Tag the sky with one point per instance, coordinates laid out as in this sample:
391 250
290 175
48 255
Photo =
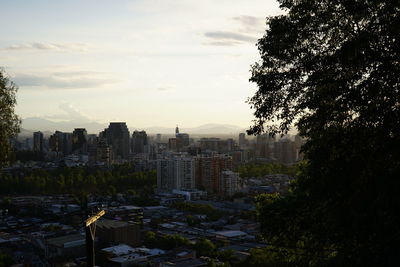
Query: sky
145 62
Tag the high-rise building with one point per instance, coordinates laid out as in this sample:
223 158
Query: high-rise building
139 142
104 152
67 143
265 139
229 183
208 171
175 173
79 141
61 142
285 151
242 140
210 144
117 136
56 142
172 144
38 141
182 140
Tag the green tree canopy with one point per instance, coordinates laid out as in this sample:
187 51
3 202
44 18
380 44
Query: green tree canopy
331 68
9 121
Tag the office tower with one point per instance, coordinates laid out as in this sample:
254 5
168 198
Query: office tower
242 140
182 140
175 173
91 139
139 142
229 145
104 153
38 141
61 142
210 144
265 139
172 144
238 157
117 136
79 141
56 142
285 151
229 183
67 143
208 171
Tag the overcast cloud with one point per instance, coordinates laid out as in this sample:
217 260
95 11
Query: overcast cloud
79 47
63 80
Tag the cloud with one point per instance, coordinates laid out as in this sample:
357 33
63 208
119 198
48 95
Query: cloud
224 43
80 47
229 38
65 80
251 24
165 88
249 30
71 113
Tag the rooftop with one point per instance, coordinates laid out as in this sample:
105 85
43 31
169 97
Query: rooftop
63 241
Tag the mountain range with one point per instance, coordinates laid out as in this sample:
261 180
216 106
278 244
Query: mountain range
29 125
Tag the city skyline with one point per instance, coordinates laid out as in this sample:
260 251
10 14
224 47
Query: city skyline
149 63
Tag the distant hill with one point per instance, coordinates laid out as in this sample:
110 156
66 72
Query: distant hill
40 124
203 129
29 125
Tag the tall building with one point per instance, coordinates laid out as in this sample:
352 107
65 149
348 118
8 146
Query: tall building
61 142
229 183
56 142
182 140
139 142
242 140
79 140
285 151
99 152
265 139
38 141
175 173
210 144
208 171
67 143
172 144
117 136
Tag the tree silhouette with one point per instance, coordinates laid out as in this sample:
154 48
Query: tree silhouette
331 68
9 121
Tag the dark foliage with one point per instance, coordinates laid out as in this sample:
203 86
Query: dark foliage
80 181
332 68
9 121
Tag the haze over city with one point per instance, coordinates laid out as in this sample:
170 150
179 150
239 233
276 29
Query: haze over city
192 133
149 63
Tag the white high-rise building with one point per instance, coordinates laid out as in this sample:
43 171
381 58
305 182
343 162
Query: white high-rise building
175 173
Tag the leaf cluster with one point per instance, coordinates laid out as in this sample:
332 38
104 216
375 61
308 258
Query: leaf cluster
9 121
